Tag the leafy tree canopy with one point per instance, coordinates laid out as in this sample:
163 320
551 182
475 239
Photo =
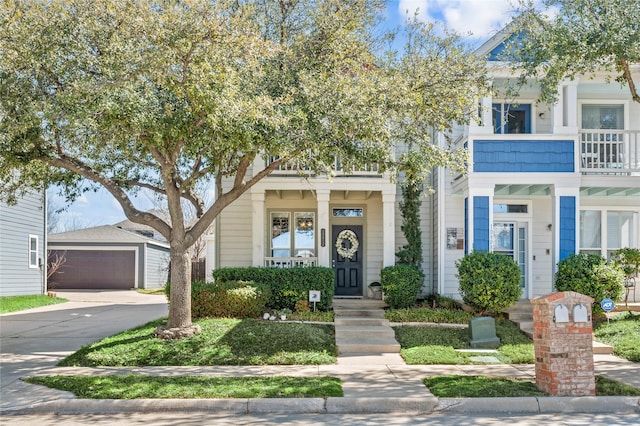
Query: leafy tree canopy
578 37
171 95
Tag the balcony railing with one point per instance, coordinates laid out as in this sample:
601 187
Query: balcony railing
609 151
290 262
295 168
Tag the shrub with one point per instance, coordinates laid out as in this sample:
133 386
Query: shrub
489 281
400 285
233 299
590 274
288 285
629 260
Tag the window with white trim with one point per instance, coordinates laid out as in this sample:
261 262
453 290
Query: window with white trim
604 232
293 239
33 251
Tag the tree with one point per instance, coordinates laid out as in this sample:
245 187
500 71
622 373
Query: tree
168 96
583 37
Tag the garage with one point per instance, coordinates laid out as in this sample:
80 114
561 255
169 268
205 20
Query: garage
95 269
106 257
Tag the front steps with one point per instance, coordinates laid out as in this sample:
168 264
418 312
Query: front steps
521 313
361 328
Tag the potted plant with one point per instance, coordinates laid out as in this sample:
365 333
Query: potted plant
375 290
283 313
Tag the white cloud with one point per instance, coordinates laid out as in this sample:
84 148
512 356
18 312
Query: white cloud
482 18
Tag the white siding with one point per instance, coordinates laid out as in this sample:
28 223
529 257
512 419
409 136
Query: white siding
16 224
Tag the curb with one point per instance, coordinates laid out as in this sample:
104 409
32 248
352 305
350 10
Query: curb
342 405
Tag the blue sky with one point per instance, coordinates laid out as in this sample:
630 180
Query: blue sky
481 18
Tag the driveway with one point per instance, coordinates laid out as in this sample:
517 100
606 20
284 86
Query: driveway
39 338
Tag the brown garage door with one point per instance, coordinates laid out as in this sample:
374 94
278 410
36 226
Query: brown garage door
94 269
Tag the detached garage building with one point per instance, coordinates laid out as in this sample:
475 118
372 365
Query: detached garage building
107 257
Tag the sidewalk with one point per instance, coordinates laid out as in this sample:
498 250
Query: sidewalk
33 342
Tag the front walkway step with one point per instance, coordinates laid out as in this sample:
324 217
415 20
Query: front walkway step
361 328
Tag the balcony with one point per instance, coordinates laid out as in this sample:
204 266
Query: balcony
595 152
609 152
296 169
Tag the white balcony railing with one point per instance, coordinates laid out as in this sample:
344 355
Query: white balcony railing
295 168
609 151
289 262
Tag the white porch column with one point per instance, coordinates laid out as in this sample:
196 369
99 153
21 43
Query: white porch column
258 227
565 111
388 228
210 253
323 230
485 126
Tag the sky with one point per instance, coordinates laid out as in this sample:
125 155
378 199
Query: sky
481 18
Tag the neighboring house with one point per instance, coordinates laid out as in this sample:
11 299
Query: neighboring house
545 181
107 257
22 246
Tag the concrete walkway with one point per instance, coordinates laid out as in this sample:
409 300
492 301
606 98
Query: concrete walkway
372 383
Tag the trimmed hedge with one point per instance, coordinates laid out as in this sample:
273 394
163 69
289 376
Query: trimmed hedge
592 275
288 285
489 281
400 284
233 299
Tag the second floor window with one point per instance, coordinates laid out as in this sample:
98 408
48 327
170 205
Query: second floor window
602 116
510 118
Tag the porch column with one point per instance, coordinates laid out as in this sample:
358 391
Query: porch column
258 227
484 125
478 219
565 226
210 254
565 111
324 252
388 228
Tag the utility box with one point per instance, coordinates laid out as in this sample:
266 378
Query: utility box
563 344
482 333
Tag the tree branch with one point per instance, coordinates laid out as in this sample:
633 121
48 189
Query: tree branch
626 72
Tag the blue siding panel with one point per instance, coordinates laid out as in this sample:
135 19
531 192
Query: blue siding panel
567 226
481 223
466 226
510 156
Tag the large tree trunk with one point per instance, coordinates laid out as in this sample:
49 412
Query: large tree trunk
179 324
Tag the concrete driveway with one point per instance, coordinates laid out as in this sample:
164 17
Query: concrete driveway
39 338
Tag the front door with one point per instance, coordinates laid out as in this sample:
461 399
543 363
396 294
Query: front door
510 238
347 259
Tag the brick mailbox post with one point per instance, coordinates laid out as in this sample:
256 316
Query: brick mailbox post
563 344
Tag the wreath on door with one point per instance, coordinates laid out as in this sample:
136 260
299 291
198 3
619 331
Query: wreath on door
347 235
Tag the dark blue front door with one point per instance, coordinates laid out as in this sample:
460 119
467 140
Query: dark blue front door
347 267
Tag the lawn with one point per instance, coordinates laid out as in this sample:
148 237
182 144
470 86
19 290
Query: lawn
20 303
623 333
135 386
437 344
221 342
456 386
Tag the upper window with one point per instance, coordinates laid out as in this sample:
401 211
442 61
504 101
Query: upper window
33 251
602 116
509 118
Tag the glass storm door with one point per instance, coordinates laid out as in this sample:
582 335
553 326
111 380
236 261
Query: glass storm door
510 238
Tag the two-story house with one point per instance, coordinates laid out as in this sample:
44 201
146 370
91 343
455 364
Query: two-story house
23 245
545 181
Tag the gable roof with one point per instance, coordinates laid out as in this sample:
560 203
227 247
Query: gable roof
103 234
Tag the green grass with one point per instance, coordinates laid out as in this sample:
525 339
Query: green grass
135 386
436 345
221 342
20 303
623 333
437 315
456 386
318 316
